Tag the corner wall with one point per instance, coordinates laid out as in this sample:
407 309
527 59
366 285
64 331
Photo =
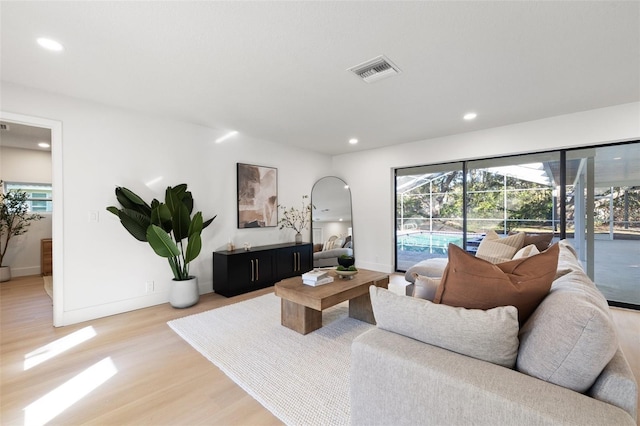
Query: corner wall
370 173
105 269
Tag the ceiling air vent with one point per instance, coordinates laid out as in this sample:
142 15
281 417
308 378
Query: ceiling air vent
375 69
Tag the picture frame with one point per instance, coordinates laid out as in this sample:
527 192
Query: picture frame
257 190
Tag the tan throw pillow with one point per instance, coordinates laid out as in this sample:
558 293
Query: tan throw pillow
330 243
526 251
474 283
494 249
425 287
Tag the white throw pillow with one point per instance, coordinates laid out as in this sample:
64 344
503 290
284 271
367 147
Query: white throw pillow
527 251
425 287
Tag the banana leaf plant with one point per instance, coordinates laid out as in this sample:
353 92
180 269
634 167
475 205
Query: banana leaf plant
164 226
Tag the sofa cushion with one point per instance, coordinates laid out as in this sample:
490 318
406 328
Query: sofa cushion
474 283
570 337
494 249
490 335
425 287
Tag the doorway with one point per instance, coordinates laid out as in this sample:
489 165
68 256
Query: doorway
57 198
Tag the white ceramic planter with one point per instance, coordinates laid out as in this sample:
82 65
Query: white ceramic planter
5 273
183 294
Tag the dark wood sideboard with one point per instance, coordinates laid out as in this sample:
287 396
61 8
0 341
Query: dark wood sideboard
46 257
241 271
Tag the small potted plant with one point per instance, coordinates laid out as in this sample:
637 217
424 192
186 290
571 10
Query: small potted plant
165 226
346 260
296 219
15 220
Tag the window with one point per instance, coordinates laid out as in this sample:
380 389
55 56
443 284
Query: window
590 196
39 195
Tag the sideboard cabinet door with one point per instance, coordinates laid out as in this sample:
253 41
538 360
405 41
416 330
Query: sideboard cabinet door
242 272
294 260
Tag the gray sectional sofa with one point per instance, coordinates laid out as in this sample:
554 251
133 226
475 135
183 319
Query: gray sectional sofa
427 363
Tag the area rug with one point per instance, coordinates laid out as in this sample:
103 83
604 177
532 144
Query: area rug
302 380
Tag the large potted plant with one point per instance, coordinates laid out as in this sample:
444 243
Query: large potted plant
166 226
15 220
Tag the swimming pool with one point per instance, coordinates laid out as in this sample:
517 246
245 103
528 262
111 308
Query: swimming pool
428 242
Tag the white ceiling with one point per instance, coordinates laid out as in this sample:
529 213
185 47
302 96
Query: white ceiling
24 137
277 70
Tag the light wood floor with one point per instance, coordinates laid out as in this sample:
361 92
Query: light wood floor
160 379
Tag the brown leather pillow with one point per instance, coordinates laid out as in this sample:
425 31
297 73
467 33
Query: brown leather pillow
473 283
541 241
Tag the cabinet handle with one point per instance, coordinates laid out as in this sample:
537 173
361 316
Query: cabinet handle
257 270
296 261
252 270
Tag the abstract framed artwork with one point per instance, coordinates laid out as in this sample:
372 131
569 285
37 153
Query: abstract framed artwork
257 196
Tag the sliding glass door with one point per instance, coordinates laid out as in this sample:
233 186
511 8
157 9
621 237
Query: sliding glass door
603 217
589 196
429 213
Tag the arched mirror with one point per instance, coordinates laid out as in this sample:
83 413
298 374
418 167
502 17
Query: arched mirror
331 221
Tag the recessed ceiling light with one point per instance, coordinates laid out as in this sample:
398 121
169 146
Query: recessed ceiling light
227 136
44 145
617 158
470 116
353 141
49 44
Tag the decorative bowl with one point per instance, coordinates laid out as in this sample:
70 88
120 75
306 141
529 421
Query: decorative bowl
346 274
346 261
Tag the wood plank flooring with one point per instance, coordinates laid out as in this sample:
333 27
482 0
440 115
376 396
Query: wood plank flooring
159 379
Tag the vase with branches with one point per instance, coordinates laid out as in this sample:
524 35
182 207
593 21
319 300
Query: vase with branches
15 220
296 219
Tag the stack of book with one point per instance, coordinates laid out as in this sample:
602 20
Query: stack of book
316 278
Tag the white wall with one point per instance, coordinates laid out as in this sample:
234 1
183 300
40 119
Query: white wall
26 165
370 173
105 269
23 255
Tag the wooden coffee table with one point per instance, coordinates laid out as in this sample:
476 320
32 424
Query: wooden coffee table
302 305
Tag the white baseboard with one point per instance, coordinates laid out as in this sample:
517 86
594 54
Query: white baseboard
122 306
380 267
24 271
